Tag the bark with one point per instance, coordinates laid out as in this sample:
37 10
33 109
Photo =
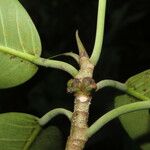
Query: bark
82 86
78 137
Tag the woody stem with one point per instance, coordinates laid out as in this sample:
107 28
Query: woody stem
81 86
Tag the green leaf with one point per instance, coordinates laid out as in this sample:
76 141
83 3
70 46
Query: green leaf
140 83
17 131
137 124
145 146
17 32
49 139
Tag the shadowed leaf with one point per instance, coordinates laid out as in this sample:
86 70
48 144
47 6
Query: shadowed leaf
137 124
17 131
49 139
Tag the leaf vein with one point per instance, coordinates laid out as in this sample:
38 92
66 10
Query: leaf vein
19 126
32 39
3 27
14 140
19 34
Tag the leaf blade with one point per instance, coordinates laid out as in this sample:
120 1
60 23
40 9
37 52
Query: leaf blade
18 130
49 138
137 124
17 32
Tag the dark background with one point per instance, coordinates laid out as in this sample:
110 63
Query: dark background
126 51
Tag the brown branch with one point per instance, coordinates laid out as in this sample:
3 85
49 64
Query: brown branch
82 86
78 136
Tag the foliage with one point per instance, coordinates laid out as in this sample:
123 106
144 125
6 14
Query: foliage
136 123
18 33
20 50
17 131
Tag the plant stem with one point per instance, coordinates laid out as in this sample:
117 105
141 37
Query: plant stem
81 86
116 113
78 136
56 64
111 83
121 86
99 32
53 113
70 54
41 61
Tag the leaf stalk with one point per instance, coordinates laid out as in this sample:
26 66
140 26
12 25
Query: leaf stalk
99 32
53 113
41 61
137 106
